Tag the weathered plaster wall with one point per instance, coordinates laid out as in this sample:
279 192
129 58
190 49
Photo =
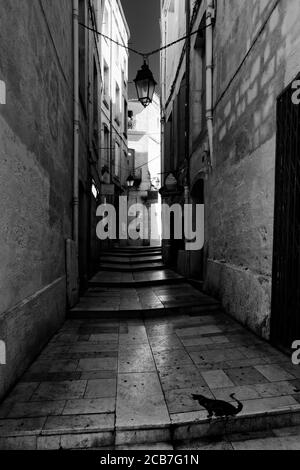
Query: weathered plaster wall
240 193
35 175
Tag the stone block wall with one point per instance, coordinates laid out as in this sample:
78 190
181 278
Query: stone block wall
36 162
256 55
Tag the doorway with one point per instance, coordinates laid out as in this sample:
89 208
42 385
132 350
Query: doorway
285 319
197 257
83 241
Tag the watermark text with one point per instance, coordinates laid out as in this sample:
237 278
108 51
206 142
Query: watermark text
296 354
2 353
138 222
296 93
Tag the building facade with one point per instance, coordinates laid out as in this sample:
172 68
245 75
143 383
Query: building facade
144 137
115 163
89 158
144 142
43 258
243 167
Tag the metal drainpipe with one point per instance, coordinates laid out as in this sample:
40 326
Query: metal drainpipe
210 16
187 100
187 123
76 122
111 129
165 62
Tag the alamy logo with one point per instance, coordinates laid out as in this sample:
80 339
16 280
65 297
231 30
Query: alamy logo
2 353
296 94
296 354
137 222
2 92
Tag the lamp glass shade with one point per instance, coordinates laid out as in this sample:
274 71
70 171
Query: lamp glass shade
145 85
130 181
171 182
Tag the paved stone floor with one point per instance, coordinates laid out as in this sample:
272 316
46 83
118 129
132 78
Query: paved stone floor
154 298
117 381
100 379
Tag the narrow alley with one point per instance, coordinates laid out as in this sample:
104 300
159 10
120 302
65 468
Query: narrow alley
150 226
122 371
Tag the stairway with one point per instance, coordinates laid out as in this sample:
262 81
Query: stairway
132 260
134 282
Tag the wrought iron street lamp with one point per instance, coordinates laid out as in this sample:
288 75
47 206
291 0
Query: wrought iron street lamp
145 84
130 181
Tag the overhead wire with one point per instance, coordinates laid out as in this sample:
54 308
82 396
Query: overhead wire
144 54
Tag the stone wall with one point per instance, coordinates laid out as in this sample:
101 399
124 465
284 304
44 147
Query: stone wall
257 54
35 176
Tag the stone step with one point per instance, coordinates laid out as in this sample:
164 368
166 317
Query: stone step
156 446
57 432
136 283
196 284
99 432
116 254
269 439
142 294
195 426
130 261
134 280
94 314
96 307
152 250
137 249
111 267
82 313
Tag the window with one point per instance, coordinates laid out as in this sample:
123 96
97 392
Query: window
172 24
125 71
106 82
131 159
94 190
82 52
125 116
169 144
106 145
124 80
117 103
181 100
200 76
125 167
117 160
106 25
116 50
92 8
130 124
95 110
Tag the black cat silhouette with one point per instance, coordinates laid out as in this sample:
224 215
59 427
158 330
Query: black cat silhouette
219 408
